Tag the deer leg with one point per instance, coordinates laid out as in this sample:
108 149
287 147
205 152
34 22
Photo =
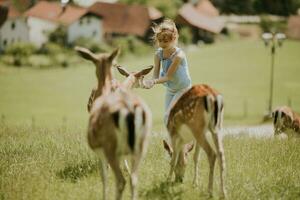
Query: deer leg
103 172
211 156
120 180
221 157
127 166
134 176
176 148
196 161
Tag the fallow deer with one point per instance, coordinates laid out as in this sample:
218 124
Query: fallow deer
191 116
102 69
286 120
119 124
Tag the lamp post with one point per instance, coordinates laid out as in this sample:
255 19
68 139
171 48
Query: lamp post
273 40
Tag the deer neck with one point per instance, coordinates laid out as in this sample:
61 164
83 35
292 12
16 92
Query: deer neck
104 86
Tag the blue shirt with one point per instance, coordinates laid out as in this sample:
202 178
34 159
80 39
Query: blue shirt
181 78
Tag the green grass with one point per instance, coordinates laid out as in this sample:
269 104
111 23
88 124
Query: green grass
43 118
57 164
239 70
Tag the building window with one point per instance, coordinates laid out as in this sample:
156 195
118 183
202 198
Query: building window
80 22
4 42
13 26
94 33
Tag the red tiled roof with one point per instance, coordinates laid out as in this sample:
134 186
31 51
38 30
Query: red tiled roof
194 18
53 11
293 28
205 7
122 18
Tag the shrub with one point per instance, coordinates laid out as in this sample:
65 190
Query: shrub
59 36
131 44
185 35
51 48
267 25
92 45
20 53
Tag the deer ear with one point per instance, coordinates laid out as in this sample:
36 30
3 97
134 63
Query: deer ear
114 54
168 147
123 71
144 72
86 54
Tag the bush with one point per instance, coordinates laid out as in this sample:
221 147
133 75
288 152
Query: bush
20 53
59 36
51 48
92 45
131 44
185 35
268 25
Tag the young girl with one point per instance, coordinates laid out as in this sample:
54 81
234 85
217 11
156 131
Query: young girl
171 67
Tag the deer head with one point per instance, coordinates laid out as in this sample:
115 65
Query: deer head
103 63
134 79
182 159
282 119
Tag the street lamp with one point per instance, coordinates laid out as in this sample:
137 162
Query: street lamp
273 40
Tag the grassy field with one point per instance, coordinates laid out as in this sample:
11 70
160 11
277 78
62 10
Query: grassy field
57 164
43 147
239 70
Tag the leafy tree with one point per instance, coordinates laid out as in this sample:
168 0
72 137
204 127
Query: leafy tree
234 6
277 7
168 7
59 36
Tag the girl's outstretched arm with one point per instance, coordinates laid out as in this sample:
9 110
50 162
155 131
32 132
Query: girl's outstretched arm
172 69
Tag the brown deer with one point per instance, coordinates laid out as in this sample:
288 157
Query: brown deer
102 62
191 116
134 81
286 120
120 122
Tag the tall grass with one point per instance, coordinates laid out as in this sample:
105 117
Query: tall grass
44 163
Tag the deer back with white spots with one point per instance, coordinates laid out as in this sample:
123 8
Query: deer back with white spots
195 114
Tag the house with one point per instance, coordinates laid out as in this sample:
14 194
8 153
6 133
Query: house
123 19
293 28
202 17
45 17
13 27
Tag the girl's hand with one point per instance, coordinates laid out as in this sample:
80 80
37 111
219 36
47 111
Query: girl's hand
148 83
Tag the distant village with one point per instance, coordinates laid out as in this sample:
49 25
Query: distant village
103 21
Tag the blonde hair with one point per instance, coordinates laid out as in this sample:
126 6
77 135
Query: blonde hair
167 27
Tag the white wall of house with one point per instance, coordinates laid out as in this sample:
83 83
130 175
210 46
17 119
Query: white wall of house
39 30
86 27
13 31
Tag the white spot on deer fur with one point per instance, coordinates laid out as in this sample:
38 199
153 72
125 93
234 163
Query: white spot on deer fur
186 133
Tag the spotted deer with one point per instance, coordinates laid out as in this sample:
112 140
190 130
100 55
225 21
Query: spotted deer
119 124
192 115
285 120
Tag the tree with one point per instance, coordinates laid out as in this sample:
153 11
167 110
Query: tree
277 7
